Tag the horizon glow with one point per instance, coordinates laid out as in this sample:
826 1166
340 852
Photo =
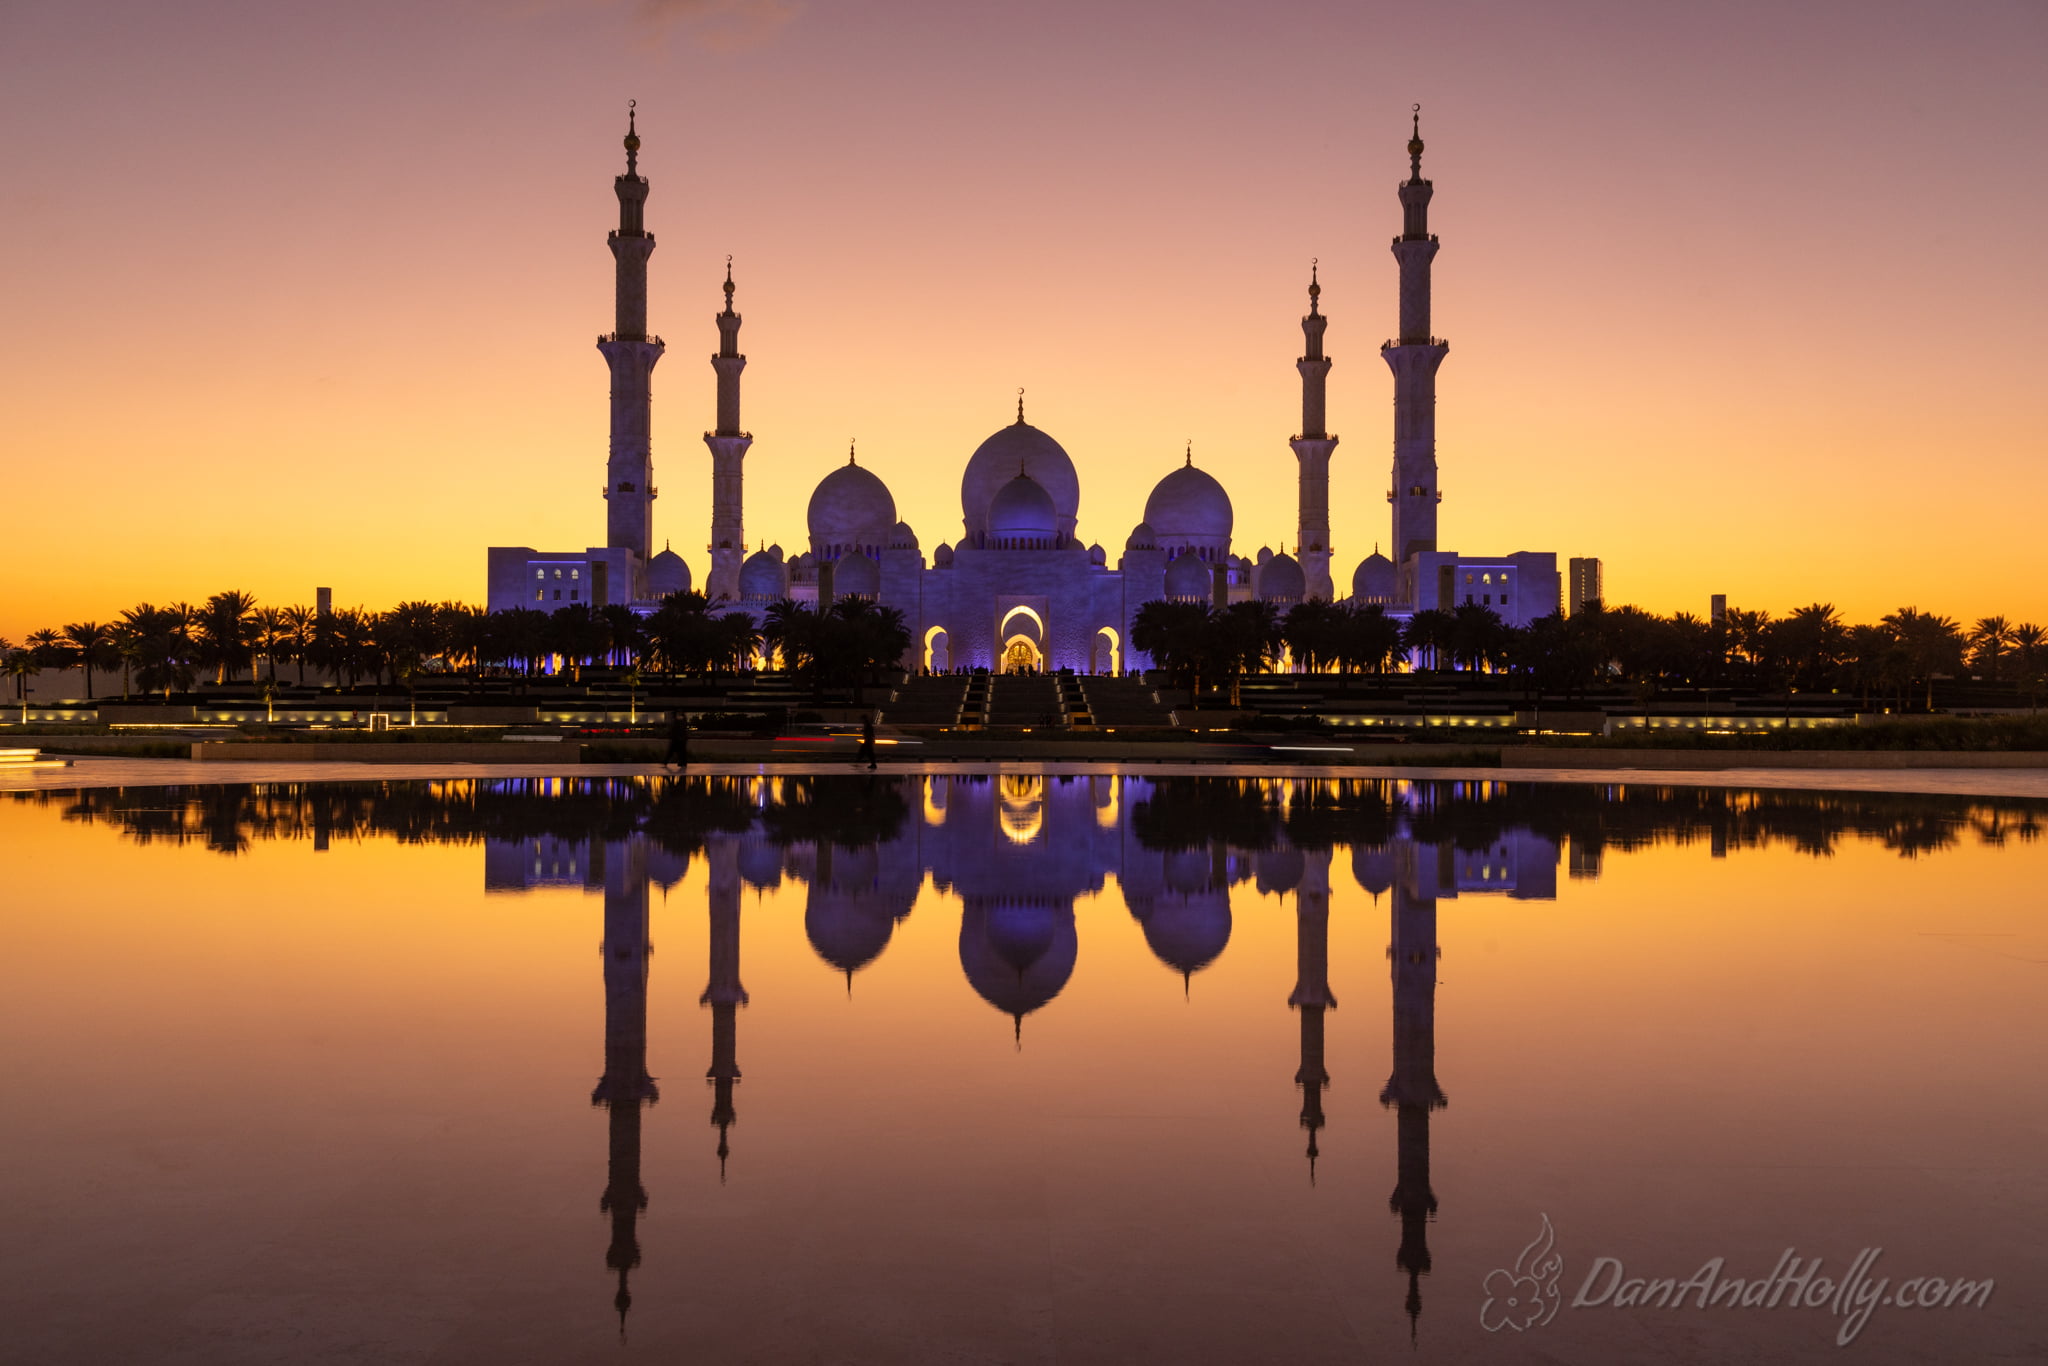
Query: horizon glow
1740 300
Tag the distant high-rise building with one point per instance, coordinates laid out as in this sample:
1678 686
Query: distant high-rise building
323 601
1585 583
1717 609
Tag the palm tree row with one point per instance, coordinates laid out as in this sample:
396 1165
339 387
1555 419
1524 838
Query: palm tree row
1810 649
166 649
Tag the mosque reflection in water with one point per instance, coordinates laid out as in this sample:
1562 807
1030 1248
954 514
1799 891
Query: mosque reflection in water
1017 851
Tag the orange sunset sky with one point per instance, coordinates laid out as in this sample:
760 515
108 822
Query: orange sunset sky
1742 298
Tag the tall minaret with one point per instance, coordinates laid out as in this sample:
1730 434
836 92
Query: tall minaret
1412 1090
723 992
1414 359
625 1089
1312 450
631 354
1312 996
728 448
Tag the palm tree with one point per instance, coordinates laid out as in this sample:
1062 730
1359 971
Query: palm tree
1477 636
1175 634
785 628
1989 640
1808 644
1932 644
2030 653
225 627
271 637
1371 639
155 642
92 645
20 665
1428 636
1311 632
628 633
296 625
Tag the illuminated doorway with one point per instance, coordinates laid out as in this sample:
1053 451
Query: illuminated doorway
1021 656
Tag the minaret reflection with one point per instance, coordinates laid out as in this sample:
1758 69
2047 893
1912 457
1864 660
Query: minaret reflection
723 993
625 1086
1312 995
1412 1090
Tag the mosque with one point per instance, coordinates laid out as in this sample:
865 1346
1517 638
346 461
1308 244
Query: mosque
1019 589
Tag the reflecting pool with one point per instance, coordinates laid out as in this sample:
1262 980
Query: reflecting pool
1015 1068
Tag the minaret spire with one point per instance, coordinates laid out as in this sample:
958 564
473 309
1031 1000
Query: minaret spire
728 445
631 353
1312 996
625 1089
723 992
1414 359
1412 1090
1312 448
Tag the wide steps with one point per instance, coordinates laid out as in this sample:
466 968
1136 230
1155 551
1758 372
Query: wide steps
1123 702
1024 700
931 701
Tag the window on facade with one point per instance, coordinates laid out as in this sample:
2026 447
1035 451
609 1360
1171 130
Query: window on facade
558 573
575 573
1468 578
540 573
558 595
572 595
540 595
1486 600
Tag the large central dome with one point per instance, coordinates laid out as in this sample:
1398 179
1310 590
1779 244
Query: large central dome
1018 448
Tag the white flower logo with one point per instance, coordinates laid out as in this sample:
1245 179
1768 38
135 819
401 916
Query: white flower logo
1525 1297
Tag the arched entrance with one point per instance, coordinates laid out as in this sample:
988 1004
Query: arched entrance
938 650
1106 651
1022 632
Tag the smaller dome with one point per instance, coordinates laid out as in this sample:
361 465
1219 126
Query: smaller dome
760 862
901 537
1278 870
775 549
1265 555
1188 507
856 576
1281 580
1374 580
1373 866
1022 514
667 574
943 556
762 577
1097 555
1187 933
1188 577
1143 537
851 507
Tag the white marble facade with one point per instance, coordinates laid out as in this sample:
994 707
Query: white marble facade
1019 588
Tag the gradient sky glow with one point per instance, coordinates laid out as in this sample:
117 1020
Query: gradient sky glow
1742 298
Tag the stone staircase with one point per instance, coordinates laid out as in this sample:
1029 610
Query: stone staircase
930 701
1123 702
1017 700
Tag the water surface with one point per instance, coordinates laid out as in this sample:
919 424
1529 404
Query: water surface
1009 1068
